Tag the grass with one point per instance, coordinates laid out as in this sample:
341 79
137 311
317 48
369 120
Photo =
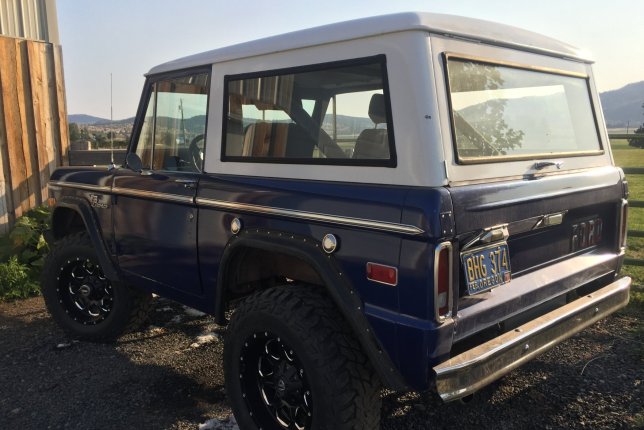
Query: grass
628 156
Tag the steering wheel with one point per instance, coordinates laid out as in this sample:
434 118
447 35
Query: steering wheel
196 152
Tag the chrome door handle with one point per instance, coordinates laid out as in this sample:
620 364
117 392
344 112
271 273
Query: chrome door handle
187 183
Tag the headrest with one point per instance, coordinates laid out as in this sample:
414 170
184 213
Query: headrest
377 111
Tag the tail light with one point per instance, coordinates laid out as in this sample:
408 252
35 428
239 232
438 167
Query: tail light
443 281
623 224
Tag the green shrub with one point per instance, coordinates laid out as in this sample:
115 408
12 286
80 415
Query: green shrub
22 254
16 281
27 240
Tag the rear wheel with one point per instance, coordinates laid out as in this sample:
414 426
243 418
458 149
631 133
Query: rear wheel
291 363
82 300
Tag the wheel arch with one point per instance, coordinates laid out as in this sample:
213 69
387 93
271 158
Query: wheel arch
326 272
74 214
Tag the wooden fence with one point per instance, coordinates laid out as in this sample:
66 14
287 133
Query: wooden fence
632 204
96 157
33 124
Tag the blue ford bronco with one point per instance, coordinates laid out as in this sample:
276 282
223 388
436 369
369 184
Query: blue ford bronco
412 201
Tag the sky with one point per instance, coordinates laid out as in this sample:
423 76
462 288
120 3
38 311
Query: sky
128 37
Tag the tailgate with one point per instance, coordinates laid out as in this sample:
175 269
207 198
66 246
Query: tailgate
542 221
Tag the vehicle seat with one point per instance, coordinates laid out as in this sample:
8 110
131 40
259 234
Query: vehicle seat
257 140
373 143
299 143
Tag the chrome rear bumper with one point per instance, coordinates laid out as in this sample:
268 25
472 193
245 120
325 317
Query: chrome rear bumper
473 369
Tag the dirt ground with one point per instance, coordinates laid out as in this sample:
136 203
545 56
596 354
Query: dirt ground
169 376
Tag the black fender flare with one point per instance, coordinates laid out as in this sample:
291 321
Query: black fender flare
335 283
82 207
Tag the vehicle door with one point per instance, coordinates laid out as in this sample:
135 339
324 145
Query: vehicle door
155 217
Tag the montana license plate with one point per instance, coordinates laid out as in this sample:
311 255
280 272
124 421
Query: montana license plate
486 267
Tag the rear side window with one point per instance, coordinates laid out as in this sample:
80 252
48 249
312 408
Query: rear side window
507 112
335 113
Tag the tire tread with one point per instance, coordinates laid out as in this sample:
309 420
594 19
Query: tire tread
345 367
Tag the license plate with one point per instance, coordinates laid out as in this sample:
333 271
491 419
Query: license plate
486 267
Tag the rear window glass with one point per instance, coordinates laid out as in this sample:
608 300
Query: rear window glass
503 112
335 113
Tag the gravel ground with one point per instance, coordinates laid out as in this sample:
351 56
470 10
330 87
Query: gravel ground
169 376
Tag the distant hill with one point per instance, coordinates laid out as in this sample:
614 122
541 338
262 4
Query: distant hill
620 106
82 119
624 105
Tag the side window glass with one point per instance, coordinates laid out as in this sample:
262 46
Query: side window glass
144 145
332 114
173 134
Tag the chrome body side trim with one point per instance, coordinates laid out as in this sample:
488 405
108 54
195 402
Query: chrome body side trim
475 368
79 186
313 216
176 198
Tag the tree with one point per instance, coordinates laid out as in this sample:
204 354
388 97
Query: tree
638 143
482 125
74 132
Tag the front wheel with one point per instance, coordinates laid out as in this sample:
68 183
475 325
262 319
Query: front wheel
291 363
79 297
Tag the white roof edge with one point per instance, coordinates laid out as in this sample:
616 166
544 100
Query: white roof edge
451 25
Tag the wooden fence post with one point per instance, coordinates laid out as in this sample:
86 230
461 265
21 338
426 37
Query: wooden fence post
33 124
6 203
61 103
13 126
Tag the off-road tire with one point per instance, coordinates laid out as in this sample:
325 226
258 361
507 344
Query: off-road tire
345 390
128 308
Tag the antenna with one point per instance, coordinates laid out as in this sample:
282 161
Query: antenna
112 165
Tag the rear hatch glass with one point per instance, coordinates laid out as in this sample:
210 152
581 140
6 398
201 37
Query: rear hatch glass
502 112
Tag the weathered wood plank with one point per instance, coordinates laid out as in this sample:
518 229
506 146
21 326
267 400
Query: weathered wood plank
6 203
51 113
61 104
13 127
23 87
40 116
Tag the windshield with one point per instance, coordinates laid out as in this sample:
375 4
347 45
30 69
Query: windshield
503 112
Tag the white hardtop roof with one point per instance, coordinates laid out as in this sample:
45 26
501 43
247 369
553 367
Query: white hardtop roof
469 28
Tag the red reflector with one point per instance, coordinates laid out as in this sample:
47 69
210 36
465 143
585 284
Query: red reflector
383 274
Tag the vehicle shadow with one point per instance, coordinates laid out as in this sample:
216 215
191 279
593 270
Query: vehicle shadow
590 381
151 379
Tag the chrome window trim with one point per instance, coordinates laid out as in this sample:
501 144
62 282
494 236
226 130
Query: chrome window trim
477 160
514 65
313 216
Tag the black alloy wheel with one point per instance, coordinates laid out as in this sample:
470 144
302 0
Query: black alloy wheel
82 300
84 291
274 382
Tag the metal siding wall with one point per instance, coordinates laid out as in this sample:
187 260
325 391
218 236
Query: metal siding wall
26 19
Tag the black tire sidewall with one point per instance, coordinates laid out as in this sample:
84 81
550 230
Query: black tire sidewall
78 247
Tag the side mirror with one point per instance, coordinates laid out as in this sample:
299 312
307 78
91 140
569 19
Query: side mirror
133 161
